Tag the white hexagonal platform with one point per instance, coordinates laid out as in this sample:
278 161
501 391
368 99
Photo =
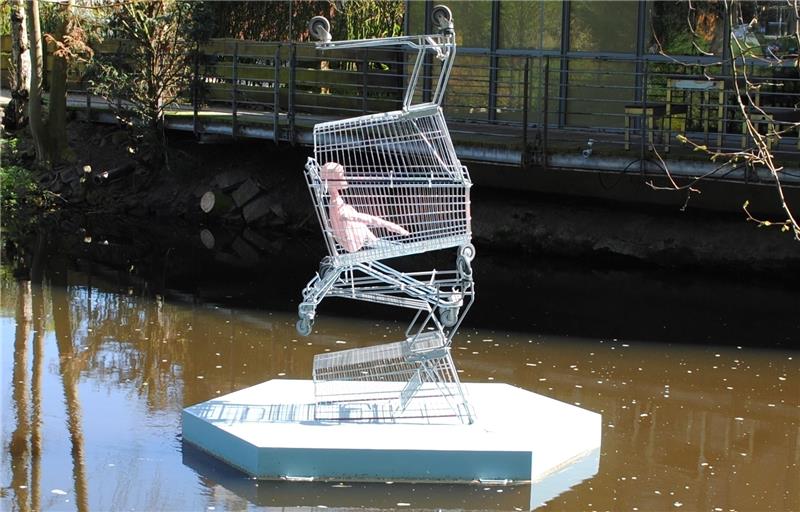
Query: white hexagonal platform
269 432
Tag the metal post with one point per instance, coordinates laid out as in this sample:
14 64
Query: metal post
645 124
545 104
640 78
235 88
563 80
292 68
88 105
195 91
427 69
364 67
276 85
525 97
641 23
493 61
727 74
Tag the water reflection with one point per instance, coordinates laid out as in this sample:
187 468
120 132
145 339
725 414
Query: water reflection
233 490
37 301
70 365
101 366
20 443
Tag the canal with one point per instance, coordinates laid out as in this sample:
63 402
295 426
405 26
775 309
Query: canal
697 377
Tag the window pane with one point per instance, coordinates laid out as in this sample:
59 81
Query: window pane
535 25
602 26
416 17
473 23
511 89
598 92
676 29
467 94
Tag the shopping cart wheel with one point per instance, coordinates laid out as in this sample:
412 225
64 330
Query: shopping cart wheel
325 266
448 316
320 28
303 327
468 251
442 17
464 266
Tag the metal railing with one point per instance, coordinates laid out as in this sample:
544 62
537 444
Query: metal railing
533 109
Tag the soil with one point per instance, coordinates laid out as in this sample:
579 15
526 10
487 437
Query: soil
174 190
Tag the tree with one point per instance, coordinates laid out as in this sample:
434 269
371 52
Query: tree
49 131
57 111
760 153
267 21
350 19
362 19
14 115
746 47
153 66
37 124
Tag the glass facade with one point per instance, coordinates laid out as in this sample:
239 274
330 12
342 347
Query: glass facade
598 91
530 25
467 93
601 26
684 28
474 21
584 57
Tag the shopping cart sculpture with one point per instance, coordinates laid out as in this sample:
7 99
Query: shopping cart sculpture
388 185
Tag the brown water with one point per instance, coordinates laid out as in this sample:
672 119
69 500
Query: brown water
95 372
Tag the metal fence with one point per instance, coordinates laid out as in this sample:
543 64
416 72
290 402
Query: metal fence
525 108
537 105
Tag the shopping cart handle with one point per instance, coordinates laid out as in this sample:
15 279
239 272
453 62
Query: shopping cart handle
312 167
433 42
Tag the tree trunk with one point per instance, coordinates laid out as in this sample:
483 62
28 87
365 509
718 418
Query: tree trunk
37 125
14 115
57 114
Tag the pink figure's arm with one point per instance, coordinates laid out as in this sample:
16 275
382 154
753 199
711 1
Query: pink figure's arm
371 220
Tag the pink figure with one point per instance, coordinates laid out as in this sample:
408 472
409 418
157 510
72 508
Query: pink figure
350 228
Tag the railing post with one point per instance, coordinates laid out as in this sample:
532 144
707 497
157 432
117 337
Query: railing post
427 67
88 106
563 70
494 62
644 122
545 103
235 88
292 68
276 85
525 97
195 91
364 64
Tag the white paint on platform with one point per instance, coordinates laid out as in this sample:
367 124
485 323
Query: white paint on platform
269 432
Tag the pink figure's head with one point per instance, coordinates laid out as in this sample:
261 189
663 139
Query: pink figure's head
332 174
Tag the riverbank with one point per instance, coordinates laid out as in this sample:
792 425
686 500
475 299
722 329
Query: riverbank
258 188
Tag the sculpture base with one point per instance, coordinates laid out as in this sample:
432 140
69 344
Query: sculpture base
269 432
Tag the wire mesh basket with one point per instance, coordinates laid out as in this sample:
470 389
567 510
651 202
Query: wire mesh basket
400 167
418 370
